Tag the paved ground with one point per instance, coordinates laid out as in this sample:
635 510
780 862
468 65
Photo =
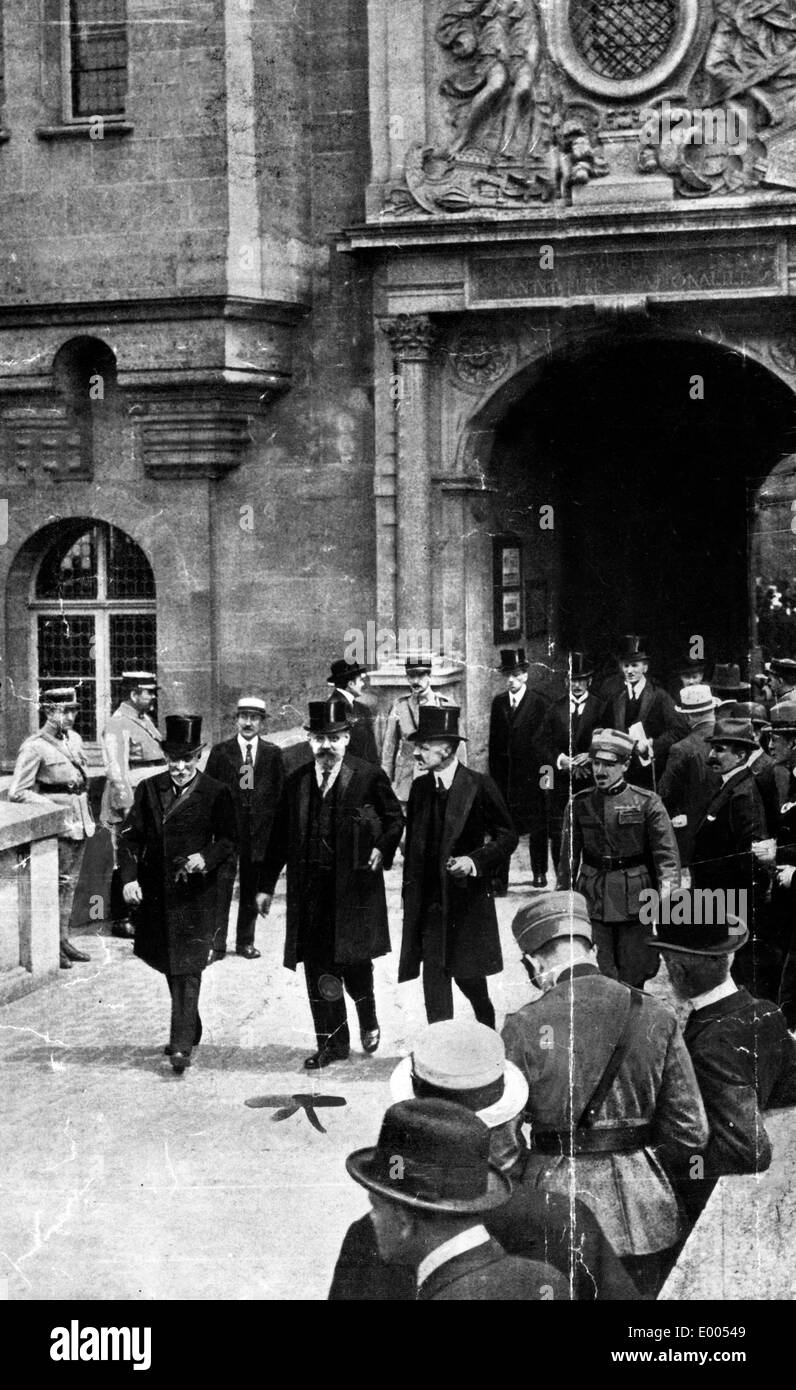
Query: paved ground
121 1180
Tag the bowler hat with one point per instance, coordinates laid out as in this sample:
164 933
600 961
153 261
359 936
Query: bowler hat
64 696
562 913
432 1155
330 716
783 717
183 735
696 699
463 1061
512 660
632 648
707 939
726 682
737 731
613 741
580 667
756 715
437 721
344 671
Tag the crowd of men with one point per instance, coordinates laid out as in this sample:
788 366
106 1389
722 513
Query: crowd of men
638 795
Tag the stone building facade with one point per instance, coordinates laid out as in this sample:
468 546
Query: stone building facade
466 317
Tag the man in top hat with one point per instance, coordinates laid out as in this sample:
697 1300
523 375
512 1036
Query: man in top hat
643 710
431 1189
516 758
771 779
177 834
252 769
782 917
569 725
727 685
398 751
612 1093
743 1054
458 833
132 750
690 671
51 767
337 828
618 842
465 1062
347 679
688 781
732 824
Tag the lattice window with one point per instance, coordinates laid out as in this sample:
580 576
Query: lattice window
98 57
94 609
622 39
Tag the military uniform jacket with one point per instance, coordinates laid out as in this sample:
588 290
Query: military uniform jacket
731 823
687 787
397 753
130 741
624 823
562 1043
55 769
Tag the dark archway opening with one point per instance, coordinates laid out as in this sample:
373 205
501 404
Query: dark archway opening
652 490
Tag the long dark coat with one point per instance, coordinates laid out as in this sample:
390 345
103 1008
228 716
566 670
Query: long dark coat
722 850
224 765
558 738
368 816
175 924
477 824
687 787
516 756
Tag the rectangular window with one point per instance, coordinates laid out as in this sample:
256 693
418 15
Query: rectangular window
96 58
508 589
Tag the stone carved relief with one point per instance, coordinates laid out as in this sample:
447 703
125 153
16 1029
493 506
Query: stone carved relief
744 97
477 360
46 440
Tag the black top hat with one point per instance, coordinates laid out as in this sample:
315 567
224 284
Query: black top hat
688 665
727 684
328 716
344 671
708 939
434 1155
580 667
183 735
632 648
512 660
437 721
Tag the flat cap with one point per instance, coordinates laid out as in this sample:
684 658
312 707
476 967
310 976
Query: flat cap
612 741
545 919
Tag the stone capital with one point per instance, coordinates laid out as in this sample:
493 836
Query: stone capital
412 337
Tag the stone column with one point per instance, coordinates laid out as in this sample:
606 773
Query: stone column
412 338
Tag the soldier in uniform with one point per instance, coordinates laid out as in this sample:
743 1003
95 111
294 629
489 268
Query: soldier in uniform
618 841
51 767
347 679
398 750
131 748
612 1095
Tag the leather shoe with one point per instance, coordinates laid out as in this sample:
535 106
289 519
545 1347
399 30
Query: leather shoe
539 881
71 952
249 953
179 1061
125 929
64 963
214 956
324 1059
371 1038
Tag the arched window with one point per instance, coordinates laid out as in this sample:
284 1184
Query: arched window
93 611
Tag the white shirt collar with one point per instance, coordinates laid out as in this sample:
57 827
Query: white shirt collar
346 694
725 776
578 701
723 991
445 775
457 1245
753 757
515 696
633 694
244 743
333 775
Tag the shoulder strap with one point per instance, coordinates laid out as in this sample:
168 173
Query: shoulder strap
615 1061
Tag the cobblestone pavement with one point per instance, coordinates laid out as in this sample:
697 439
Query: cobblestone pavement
121 1180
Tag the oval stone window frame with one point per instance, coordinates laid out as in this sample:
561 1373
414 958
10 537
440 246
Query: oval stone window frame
624 88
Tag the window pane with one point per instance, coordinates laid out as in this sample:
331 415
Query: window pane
99 57
66 657
133 648
71 572
129 572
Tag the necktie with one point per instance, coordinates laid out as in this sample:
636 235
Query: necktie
325 783
248 758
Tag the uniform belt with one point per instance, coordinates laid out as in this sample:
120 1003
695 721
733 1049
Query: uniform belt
619 1139
607 862
70 787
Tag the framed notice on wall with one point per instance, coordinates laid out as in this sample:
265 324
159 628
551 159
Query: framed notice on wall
508 585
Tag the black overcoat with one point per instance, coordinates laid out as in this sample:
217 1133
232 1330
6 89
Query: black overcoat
368 816
225 764
722 848
516 756
176 921
477 824
570 736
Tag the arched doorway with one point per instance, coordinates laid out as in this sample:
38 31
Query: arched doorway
651 453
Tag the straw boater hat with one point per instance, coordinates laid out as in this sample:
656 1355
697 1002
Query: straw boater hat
696 699
464 1062
432 1155
328 716
251 702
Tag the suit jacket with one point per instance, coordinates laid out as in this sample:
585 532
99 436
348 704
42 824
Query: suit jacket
772 782
362 743
488 1274
783 900
516 754
622 823
658 715
254 811
477 824
559 738
723 838
629 1193
175 923
687 787
367 816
